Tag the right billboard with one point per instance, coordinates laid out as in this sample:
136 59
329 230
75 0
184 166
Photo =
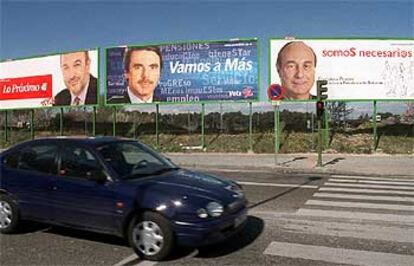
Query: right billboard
356 69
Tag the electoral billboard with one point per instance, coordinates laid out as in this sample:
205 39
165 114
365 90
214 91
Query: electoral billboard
356 69
67 79
183 72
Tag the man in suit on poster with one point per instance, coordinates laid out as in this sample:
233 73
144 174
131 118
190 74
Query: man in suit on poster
81 86
296 63
142 71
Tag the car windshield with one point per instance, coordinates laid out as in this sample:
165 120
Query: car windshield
133 160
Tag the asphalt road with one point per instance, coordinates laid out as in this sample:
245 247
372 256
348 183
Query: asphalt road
304 219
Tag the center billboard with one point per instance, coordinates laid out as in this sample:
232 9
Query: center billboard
183 72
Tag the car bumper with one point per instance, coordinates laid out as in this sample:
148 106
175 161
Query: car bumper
209 232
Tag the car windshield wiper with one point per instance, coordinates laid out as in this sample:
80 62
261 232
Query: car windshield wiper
136 175
157 172
164 170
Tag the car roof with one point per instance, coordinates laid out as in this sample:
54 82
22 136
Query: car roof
88 141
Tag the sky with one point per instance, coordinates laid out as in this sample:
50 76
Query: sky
30 28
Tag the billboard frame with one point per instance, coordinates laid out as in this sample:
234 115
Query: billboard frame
98 89
299 38
105 87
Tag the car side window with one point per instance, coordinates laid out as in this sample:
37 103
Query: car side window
39 158
79 162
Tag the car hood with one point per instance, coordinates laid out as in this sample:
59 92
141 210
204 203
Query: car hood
196 184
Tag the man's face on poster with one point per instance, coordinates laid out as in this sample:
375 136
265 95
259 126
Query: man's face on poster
75 69
297 70
143 73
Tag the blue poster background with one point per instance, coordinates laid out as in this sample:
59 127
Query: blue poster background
194 72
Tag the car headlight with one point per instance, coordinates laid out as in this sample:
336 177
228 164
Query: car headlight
214 209
202 213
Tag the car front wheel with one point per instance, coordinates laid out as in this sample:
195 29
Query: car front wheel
150 236
9 215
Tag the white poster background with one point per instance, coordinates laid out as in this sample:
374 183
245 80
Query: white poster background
359 77
47 65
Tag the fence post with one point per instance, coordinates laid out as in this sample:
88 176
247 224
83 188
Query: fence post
157 133
114 121
61 121
203 138
277 126
94 121
32 124
6 134
250 127
374 126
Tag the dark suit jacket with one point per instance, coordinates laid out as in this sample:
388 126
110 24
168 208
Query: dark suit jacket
64 97
117 99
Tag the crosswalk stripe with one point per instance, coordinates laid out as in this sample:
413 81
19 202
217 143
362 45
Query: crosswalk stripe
370 182
336 184
363 197
368 191
360 205
347 229
374 178
274 184
337 255
357 215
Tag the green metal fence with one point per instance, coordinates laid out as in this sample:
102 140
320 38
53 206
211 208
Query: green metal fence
356 127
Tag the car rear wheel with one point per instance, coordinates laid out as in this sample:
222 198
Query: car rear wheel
9 215
150 236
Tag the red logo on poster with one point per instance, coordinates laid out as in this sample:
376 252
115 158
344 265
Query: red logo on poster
26 87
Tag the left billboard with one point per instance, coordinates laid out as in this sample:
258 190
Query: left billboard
183 72
67 79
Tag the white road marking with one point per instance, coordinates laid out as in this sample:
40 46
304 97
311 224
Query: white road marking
374 178
130 259
127 260
335 184
337 255
368 191
370 182
346 229
361 205
363 197
357 215
274 184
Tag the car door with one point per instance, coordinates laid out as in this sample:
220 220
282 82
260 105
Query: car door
79 198
28 176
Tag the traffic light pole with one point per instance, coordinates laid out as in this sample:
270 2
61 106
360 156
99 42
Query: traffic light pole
321 91
320 137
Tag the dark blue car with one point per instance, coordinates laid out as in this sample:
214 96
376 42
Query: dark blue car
120 187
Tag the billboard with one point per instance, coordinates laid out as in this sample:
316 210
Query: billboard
183 72
54 80
368 69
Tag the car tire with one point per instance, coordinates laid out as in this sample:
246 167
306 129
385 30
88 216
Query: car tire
151 236
9 215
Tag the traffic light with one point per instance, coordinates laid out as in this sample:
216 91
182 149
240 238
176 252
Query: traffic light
321 90
320 109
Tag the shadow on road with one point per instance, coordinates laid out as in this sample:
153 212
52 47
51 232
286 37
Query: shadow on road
334 161
293 160
251 231
310 179
86 235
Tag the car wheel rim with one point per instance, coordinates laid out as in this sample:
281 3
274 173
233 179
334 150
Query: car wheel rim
6 214
148 237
